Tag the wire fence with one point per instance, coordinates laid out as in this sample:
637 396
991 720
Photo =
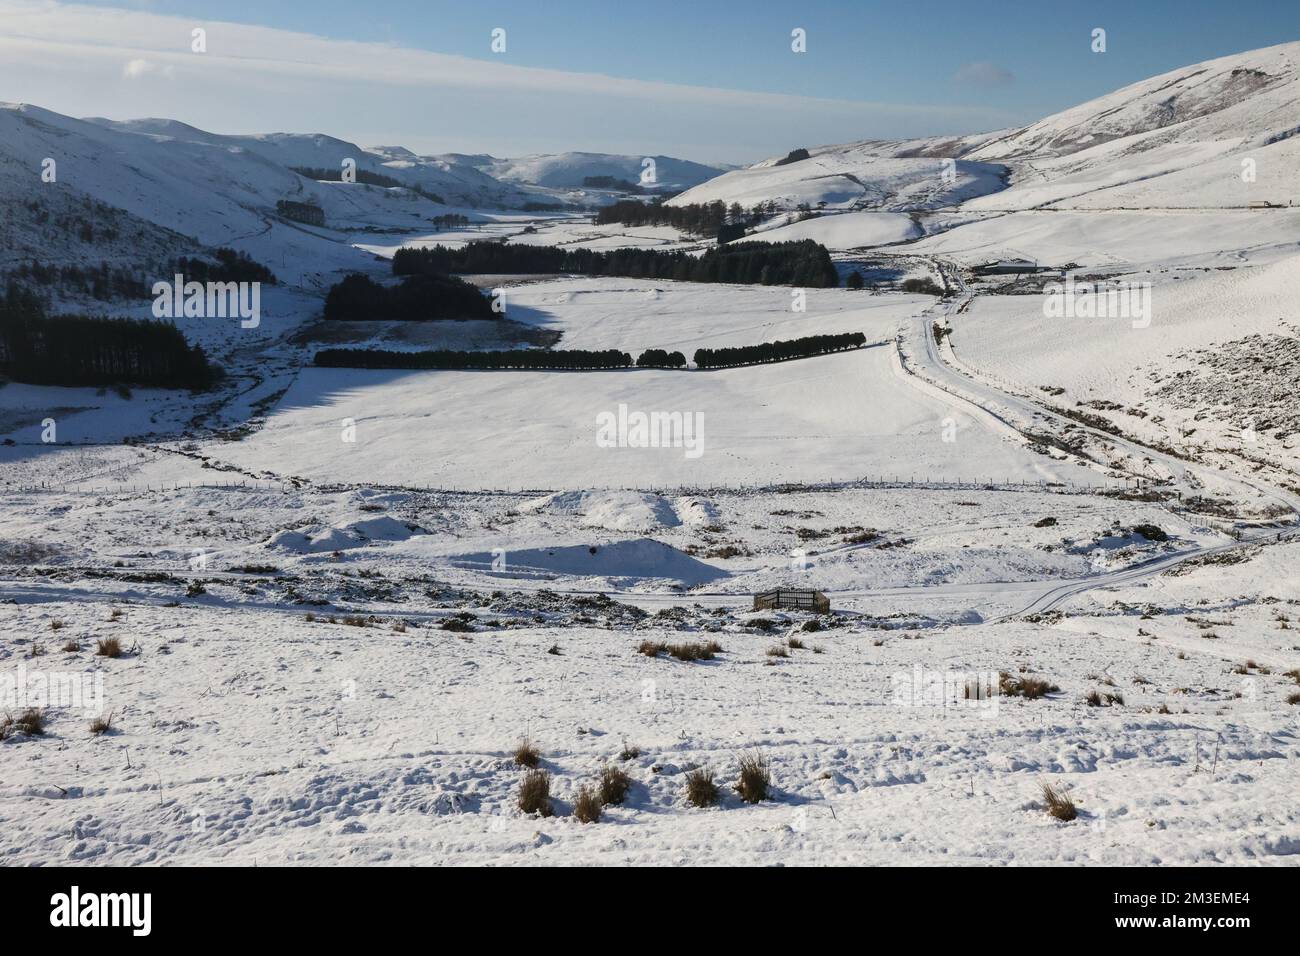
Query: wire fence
739 488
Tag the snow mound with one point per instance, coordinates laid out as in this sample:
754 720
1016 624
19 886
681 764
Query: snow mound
612 510
622 563
354 534
696 512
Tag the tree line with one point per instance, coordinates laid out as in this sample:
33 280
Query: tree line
696 219
581 359
804 263
83 350
358 298
778 351
452 359
101 282
231 266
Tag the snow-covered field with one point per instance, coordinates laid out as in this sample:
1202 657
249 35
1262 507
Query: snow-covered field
342 598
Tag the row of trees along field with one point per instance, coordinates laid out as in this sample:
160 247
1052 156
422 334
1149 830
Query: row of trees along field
448 359
358 298
779 351
696 219
79 350
804 264
580 359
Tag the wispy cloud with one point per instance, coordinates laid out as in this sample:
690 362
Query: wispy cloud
71 58
983 74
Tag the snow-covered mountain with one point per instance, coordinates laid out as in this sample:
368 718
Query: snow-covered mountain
458 185
1178 139
883 175
569 170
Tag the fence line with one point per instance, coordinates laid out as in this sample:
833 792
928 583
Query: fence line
879 483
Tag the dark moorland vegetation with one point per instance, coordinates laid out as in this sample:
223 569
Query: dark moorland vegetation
103 282
804 264
87 350
358 298
231 266
779 351
448 359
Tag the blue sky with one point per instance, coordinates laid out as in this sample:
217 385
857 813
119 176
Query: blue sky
914 66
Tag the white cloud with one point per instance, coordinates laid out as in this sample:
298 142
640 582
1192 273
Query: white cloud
69 58
138 67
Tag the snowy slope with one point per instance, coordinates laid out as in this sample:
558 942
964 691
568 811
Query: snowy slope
461 186
877 175
568 170
216 194
1237 106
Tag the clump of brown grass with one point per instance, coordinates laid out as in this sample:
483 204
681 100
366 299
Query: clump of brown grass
755 777
526 754
586 805
56 625
777 651
629 752
614 784
1030 688
1293 698
694 652
701 791
1058 803
30 722
795 644
651 648
71 647
535 793
101 725
108 647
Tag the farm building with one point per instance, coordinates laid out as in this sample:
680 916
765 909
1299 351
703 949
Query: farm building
1009 267
793 600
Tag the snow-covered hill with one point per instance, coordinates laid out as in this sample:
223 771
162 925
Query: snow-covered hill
568 170
878 175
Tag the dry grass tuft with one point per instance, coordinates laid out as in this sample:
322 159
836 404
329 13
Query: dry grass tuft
755 778
1030 688
535 793
651 648
701 791
71 647
629 752
527 755
1058 803
30 722
108 647
101 725
777 651
586 805
614 784
795 644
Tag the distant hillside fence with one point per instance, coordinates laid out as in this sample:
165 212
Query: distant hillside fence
262 484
